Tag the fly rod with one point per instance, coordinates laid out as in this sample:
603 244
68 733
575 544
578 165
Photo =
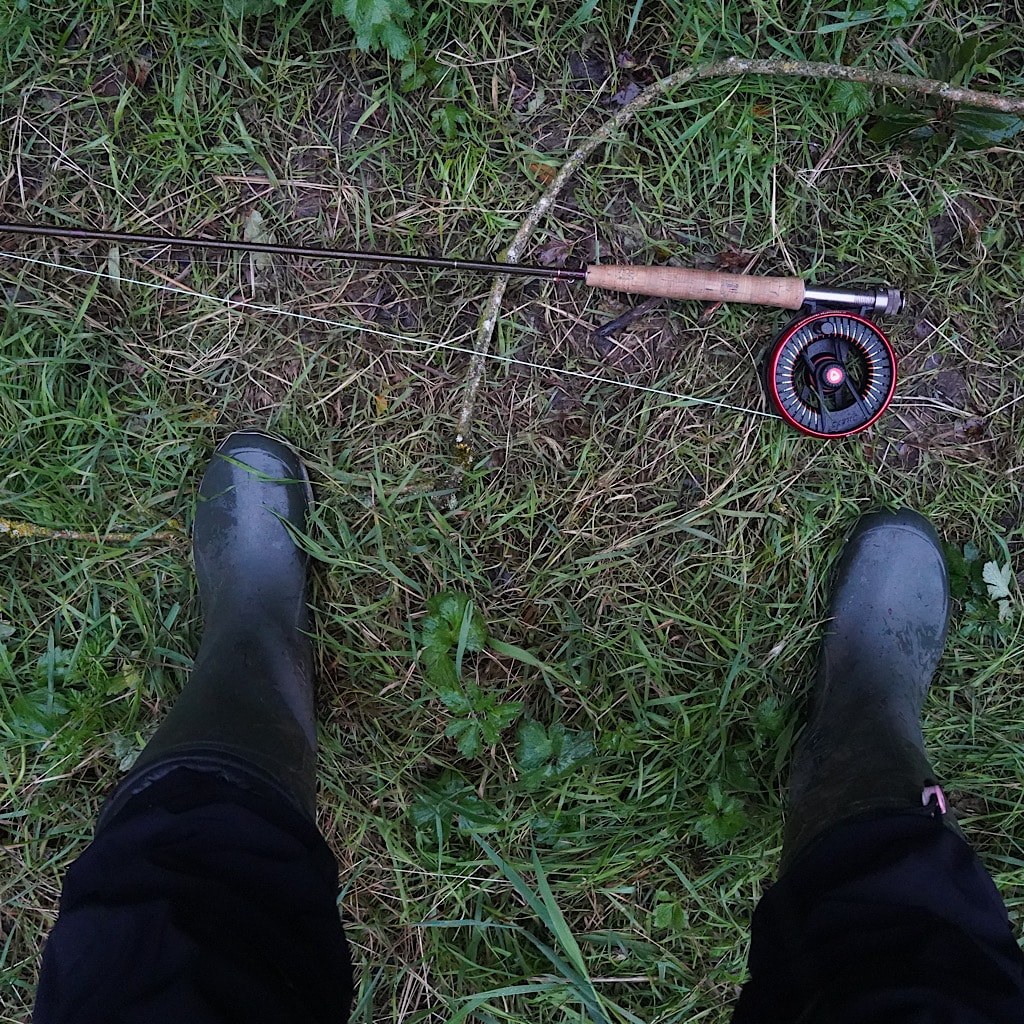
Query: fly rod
663 282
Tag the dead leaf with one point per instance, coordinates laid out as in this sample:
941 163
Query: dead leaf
114 268
308 205
544 173
554 253
255 230
971 429
112 83
951 386
108 85
523 84
380 403
962 221
732 258
626 94
47 99
588 67
136 71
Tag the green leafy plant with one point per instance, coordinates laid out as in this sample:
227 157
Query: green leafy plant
669 914
449 118
724 818
449 800
997 578
899 12
984 589
546 755
850 98
769 720
482 718
895 13
418 68
451 628
60 698
377 24
452 623
920 121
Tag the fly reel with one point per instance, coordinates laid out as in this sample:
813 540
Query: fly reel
831 373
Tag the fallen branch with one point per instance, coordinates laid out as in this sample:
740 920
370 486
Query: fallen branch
17 529
734 66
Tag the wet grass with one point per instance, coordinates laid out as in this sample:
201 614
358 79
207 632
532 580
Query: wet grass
664 564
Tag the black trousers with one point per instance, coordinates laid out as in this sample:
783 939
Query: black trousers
886 919
200 901
204 902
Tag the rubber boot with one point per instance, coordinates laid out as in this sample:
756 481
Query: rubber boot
862 749
247 710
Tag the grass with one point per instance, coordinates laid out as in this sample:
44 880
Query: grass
664 562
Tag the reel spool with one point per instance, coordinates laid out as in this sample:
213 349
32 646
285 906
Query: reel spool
830 374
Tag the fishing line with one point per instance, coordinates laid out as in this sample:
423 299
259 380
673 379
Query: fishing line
243 304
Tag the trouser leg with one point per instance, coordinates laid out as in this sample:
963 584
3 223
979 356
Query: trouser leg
201 900
889 919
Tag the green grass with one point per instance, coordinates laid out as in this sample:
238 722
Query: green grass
665 562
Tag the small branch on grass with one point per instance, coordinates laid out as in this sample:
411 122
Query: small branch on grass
17 529
734 66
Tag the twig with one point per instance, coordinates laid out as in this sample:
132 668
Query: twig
17 529
734 66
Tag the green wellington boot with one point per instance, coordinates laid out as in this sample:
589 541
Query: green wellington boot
862 749
247 711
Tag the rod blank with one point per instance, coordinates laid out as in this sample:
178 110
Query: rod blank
313 251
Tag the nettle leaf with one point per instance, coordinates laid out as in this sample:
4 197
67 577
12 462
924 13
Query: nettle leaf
534 746
553 828
378 23
251 8
998 580
489 731
456 701
436 632
669 913
466 733
446 622
959 571
449 118
900 11
575 749
769 719
503 715
440 668
451 623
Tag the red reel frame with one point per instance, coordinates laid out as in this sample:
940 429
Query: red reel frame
830 374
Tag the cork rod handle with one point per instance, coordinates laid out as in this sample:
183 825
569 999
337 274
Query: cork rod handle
681 283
